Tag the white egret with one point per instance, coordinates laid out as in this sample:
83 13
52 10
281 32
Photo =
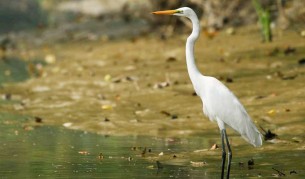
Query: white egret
219 103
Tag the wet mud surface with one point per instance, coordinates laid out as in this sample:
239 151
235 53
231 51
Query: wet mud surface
140 87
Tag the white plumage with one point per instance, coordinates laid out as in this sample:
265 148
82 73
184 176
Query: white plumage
219 103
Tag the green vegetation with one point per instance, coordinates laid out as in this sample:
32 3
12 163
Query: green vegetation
264 20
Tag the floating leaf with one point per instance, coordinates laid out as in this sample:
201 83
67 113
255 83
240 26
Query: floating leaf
83 152
67 124
198 164
150 167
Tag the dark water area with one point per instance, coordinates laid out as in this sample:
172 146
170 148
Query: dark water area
14 69
19 16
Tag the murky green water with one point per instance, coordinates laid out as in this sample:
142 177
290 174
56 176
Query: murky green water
56 152
61 153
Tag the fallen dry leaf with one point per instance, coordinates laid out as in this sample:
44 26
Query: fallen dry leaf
198 164
215 146
83 152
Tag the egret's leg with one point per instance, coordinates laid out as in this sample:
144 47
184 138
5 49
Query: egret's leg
229 154
223 131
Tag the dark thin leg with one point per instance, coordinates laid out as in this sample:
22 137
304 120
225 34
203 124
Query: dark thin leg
223 152
229 154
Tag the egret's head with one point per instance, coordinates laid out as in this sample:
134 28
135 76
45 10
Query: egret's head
183 11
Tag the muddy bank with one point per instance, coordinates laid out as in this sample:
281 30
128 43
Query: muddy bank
141 86
136 95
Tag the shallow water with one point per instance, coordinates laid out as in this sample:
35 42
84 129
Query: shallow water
56 152
61 153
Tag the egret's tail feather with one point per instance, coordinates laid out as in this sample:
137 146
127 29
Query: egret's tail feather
253 136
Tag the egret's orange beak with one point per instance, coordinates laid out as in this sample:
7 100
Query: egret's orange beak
167 12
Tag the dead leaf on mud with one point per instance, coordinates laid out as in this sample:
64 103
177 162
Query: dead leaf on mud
198 164
201 150
150 167
171 59
28 128
173 116
271 112
107 78
165 113
215 146
50 59
142 112
302 33
84 152
107 107
124 79
6 96
297 139
278 141
161 85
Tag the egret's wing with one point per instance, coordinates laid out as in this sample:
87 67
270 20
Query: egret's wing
220 103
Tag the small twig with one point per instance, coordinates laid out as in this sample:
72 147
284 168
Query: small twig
263 129
279 172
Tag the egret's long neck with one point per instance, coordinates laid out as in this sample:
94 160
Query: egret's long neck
190 59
